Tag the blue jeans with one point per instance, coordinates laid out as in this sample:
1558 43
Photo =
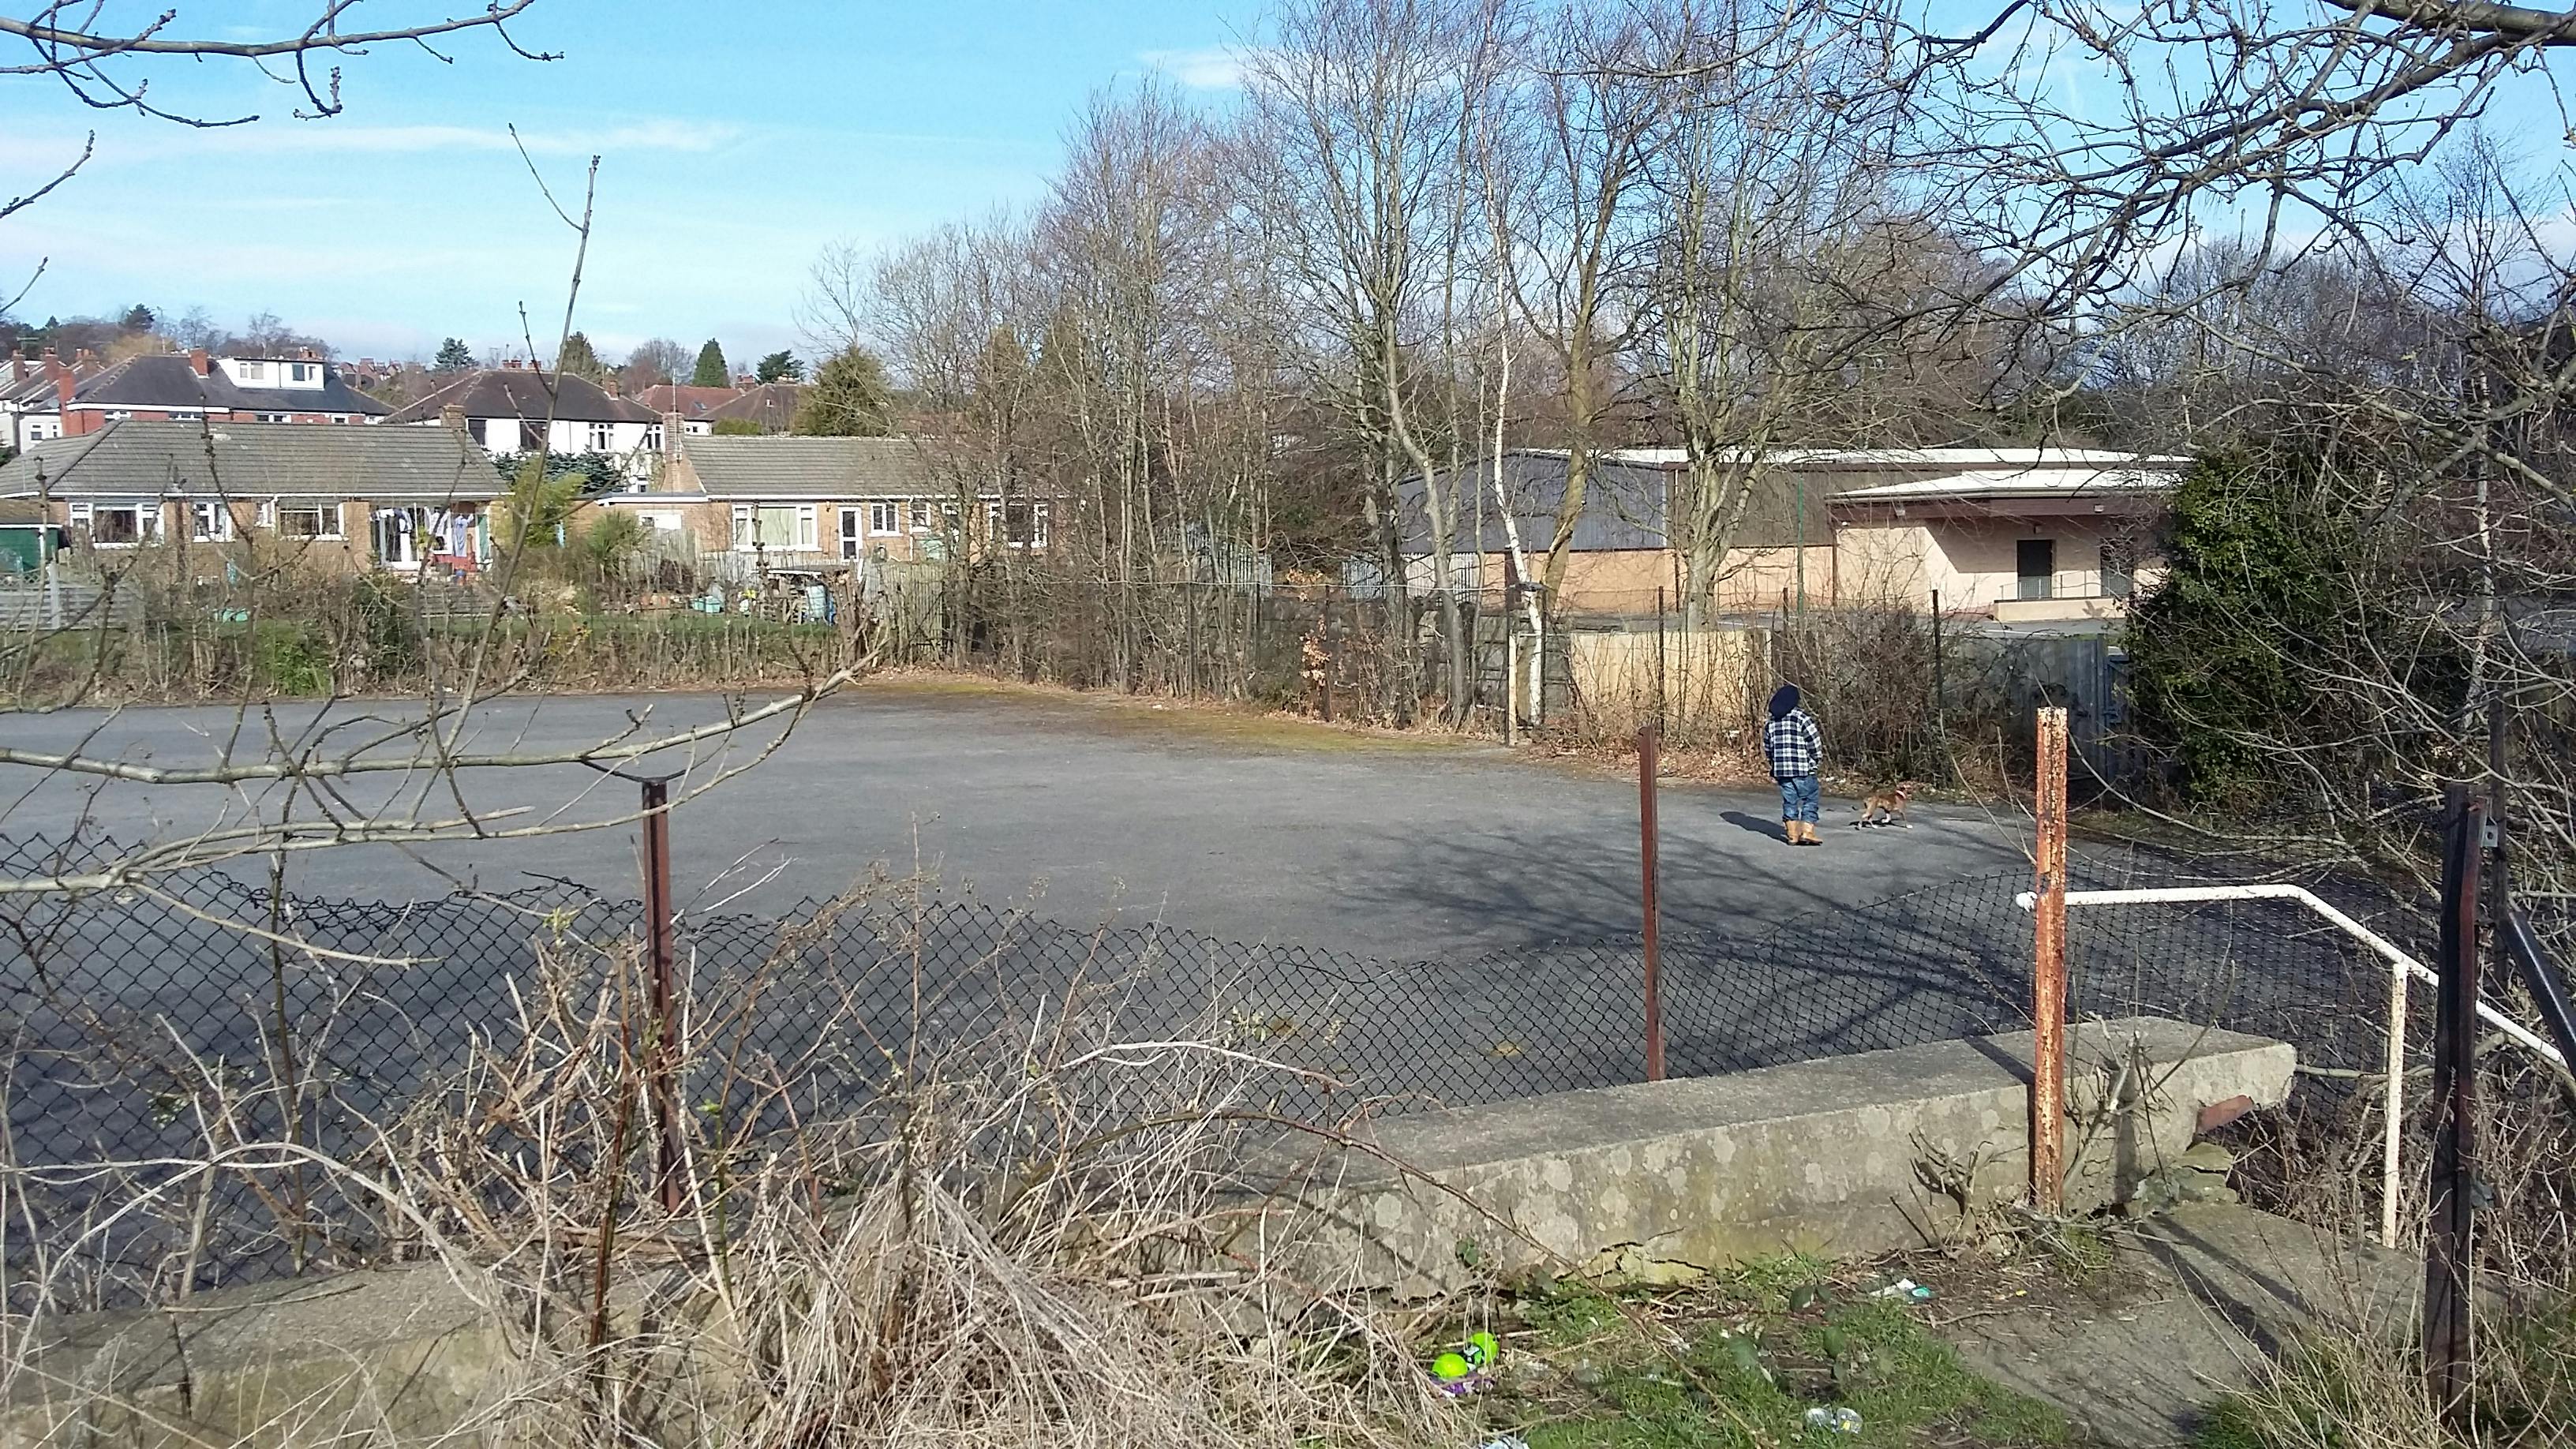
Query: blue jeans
1799 798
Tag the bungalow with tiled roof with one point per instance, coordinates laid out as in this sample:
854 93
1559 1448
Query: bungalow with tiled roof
805 501
406 499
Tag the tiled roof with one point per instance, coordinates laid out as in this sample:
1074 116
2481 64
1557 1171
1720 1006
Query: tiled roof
524 392
245 460
36 390
691 403
782 467
170 380
770 404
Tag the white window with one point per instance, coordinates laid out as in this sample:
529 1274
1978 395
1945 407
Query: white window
1027 524
277 417
117 415
305 518
121 525
920 516
601 434
881 517
775 525
653 437
850 545
254 372
298 371
210 522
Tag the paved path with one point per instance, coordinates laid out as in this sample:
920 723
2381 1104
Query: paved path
1236 826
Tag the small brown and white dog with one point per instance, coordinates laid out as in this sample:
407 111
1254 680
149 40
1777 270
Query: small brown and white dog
1886 807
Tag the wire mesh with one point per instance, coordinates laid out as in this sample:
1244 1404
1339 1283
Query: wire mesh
147 1022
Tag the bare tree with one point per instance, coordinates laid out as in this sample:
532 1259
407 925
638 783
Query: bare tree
1359 117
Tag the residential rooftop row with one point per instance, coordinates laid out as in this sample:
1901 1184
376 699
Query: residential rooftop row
2019 534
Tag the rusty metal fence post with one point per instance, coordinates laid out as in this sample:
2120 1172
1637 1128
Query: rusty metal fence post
2048 976
1646 831
660 950
2448 1248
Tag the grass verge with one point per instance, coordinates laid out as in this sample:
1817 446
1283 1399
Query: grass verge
1738 1361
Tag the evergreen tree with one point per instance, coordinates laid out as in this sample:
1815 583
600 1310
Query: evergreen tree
139 318
780 366
581 359
849 398
712 371
452 355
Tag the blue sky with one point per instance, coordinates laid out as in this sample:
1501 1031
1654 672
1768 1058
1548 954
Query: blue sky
736 140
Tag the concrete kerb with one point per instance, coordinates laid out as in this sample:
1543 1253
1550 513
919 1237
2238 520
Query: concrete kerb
1843 1157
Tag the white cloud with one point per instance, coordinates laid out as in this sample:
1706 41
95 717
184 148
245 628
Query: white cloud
1212 68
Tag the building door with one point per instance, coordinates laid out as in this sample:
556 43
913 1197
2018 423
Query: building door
2035 560
849 533
397 537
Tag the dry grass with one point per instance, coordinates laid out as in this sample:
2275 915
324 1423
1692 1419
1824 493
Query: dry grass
1015 1245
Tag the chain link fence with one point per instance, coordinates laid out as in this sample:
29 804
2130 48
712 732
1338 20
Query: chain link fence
163 1027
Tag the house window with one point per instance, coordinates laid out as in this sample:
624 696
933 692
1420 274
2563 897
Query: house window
2119 570
299 372
305 519
532 436
1027 523
920 516
881 517
210 522
117 415
276 417
122 525
254 372
774 525
849 533
2035 568
601 434
652 437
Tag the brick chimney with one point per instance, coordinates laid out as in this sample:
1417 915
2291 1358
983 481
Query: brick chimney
197 361
53 365
672 428
453 415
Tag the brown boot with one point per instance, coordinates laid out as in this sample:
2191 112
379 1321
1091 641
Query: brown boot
1789 831
1807 833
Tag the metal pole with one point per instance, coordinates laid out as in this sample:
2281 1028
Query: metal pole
1654 916
659 952
2048 984
2448 1247
1659 659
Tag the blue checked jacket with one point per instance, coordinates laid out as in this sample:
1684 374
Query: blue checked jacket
1793 744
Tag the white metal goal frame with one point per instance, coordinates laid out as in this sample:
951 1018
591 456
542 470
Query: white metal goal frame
2401 966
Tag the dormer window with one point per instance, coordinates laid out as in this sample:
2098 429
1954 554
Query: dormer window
254 372
299 372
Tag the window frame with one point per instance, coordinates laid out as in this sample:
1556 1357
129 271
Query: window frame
884 517
210 521
147 522
603 437
327 515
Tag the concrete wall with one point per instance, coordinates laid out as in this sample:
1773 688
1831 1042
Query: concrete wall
1973 563
1847 1156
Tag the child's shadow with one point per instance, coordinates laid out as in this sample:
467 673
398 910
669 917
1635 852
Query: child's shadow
1758 826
